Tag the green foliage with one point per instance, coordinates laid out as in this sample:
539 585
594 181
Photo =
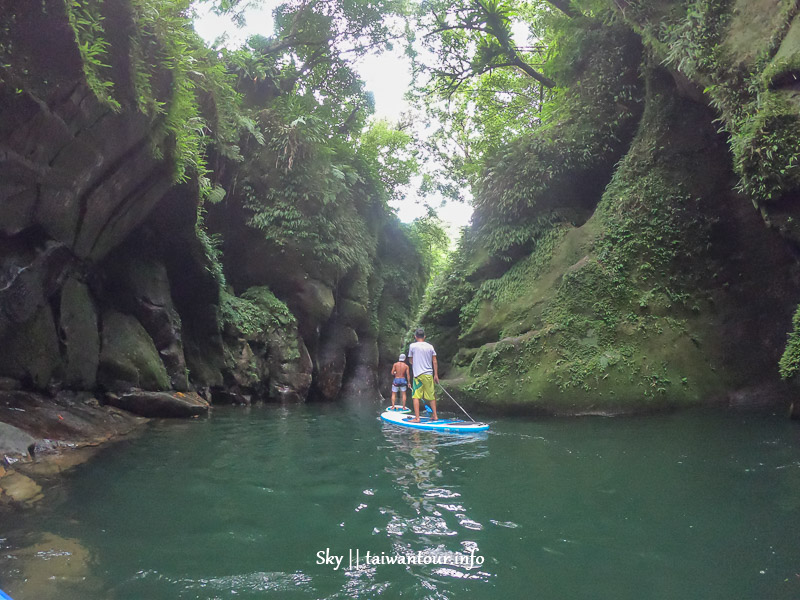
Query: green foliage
403 276
547 175
584 309
765 149
308 194
255 312
790 361
317 187
693 39
311 55
468 39
319 196
86 20
763 125
429 237
388 152
211 248
470 82
449 289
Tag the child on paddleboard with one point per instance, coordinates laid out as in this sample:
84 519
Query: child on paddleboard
400 381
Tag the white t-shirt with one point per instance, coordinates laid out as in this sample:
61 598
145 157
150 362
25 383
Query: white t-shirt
421 355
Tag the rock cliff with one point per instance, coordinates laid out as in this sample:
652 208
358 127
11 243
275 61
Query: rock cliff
113 289
617 264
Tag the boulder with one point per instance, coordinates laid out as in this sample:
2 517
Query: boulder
250 369
312 302
128 358
140 286
290 368
265 354
159 404
28 277
60 422
79 335
14 442
362 373
332 360
30 352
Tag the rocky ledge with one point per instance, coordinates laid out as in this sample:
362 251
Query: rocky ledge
41 435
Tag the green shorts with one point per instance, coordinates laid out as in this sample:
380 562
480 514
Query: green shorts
423 387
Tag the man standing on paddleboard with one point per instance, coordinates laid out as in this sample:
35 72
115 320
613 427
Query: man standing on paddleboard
426 372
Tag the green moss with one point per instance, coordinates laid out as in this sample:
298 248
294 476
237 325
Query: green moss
257 311
765 149
556 172
515 283
713 43
128 356
609 316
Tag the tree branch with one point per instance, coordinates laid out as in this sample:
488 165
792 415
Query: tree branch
566 7
529 70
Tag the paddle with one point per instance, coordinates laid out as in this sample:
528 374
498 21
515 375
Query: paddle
456 401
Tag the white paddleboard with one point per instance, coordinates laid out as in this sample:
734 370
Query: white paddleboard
426 423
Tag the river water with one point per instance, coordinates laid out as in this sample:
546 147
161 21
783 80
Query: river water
246 503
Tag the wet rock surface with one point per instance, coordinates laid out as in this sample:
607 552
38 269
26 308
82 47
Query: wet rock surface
160 404
52 424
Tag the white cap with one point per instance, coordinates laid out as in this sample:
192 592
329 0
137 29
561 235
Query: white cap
402 357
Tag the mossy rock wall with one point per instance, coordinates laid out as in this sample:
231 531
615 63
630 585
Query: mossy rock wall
129 358
30 353
672 294
102 188
265 356
80 335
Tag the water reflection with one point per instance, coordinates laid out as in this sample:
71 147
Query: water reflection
435 520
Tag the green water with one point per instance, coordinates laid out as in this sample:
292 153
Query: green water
240 504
